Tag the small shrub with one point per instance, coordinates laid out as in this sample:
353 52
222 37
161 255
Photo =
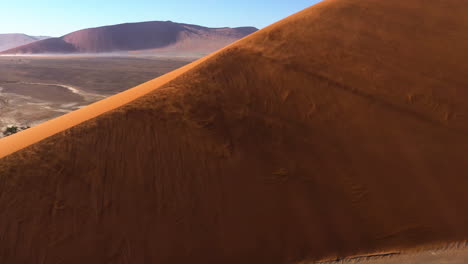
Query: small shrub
10 130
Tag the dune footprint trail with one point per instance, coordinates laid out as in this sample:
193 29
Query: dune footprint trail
338 131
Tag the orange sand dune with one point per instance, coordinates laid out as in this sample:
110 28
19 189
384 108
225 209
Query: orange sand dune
338 131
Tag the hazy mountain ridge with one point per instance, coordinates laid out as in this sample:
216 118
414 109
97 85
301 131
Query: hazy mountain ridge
8 41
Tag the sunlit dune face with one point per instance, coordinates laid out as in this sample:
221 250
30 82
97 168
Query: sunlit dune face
337 132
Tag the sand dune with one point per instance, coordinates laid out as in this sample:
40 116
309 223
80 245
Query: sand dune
9 41
338 131
456 253
153 36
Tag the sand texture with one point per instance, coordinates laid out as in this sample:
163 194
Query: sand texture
338 131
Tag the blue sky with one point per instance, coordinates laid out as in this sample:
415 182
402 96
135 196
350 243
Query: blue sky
58 17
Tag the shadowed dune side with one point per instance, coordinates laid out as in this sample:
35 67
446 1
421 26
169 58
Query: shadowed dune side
337 131
195 40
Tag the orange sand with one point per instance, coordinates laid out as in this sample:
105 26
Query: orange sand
338 131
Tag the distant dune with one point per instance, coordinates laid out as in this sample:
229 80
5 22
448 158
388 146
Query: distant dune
8 41
339 131
139 37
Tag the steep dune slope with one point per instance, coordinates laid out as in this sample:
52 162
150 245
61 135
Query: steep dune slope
339 130
135 37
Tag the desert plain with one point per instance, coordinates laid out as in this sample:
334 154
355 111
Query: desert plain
34 89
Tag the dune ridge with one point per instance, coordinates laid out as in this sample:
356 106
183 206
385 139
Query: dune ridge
338 131
39 132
